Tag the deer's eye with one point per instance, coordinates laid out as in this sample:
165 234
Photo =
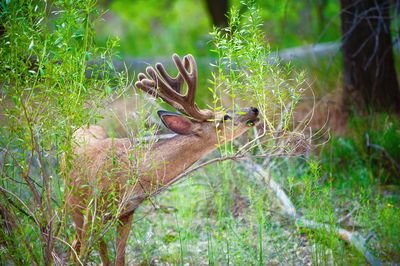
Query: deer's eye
226 117
250 123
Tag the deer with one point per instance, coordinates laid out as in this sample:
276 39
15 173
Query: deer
198 133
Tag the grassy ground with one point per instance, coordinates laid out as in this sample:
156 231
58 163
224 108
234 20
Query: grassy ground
224 215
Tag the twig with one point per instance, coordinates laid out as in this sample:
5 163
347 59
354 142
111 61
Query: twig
72 249
257 138
156 137
28 211
46 190
146 195
9 200
25 174
347 216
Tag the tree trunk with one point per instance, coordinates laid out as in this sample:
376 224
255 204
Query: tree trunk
218 10
370 81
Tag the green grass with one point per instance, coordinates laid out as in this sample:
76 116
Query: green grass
203 229
206 228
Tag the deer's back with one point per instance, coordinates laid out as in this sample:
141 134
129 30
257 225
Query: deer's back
101 164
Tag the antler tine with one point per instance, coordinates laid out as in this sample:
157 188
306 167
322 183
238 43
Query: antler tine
141 76
146 85
188 70
150 84
170 94
170 89
152 73
176 83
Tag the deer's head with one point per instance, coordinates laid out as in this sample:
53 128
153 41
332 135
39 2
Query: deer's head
191 120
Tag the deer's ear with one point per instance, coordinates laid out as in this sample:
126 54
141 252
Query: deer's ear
176 122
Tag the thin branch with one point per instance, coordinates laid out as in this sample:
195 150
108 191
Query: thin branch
23 204
347 216
26 173
72 249
16 206
166 186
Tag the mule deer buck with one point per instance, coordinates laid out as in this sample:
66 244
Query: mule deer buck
108 164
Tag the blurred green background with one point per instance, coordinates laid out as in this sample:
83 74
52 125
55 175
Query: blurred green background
159 28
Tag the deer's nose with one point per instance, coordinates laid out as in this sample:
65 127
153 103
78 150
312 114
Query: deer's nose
254 110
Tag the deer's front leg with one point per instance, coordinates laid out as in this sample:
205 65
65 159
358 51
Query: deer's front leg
123 230
104 253
78 218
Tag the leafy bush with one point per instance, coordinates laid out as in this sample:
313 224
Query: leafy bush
245 74
45 96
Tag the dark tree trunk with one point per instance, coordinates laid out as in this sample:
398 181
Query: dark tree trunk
370 80
218 10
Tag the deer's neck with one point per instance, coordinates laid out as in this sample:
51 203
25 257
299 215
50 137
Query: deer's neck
173 156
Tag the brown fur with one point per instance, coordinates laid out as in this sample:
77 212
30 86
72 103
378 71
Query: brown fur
112 165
